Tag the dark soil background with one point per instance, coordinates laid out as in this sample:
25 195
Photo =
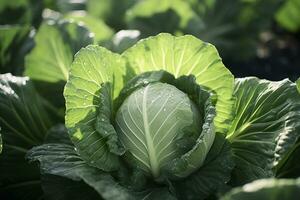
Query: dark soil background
277 57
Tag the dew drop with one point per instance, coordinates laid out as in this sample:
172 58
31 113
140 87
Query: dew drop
92 162
164 109
102 119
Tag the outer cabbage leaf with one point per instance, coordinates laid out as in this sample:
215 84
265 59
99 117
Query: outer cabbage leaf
184 56
194 158
170 16
96 77
97 26
56 43
212 176
12 37
48 63
265 126
271 189
289 166
63 160
24 122
54 187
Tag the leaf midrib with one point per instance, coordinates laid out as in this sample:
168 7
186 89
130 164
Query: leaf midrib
149 140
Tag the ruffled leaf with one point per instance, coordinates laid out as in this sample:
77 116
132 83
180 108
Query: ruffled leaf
289 166
63 160
12 53
24 124
187 55
213 175
265 126
196 155
96 77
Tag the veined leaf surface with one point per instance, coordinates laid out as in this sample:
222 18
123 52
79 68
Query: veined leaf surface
24 122
56 44
265 126
149 122
96 77
184 56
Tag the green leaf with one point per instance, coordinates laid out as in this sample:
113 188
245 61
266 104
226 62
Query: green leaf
56 43
184 56
24 123
289 166
12 37
265 126
272 189
96 77
97 26
288 15
170 16
214 174
20 12
63 160
194 158
22 111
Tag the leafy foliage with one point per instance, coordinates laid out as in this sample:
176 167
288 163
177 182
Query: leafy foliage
183 56
161 118
63 39
24 124
12 52
264 126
